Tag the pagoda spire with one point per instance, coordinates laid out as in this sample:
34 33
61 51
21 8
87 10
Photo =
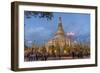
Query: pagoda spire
60 30
59 21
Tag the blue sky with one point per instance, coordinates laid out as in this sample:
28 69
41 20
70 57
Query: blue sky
39 30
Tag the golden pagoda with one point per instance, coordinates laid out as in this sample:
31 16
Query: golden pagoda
59 39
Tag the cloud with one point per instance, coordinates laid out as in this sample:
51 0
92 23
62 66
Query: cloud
38 33
34 30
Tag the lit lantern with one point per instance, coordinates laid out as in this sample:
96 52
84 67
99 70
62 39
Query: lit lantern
65 51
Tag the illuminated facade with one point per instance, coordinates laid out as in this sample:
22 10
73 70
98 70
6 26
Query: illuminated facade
60 39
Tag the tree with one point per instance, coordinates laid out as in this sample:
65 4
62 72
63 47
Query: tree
47 15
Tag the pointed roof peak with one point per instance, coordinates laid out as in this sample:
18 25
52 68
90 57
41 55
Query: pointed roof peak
59 21
59 17
60 30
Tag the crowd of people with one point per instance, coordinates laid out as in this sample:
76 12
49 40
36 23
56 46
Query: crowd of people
37 54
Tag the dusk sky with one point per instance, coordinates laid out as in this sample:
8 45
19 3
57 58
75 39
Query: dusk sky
40 29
